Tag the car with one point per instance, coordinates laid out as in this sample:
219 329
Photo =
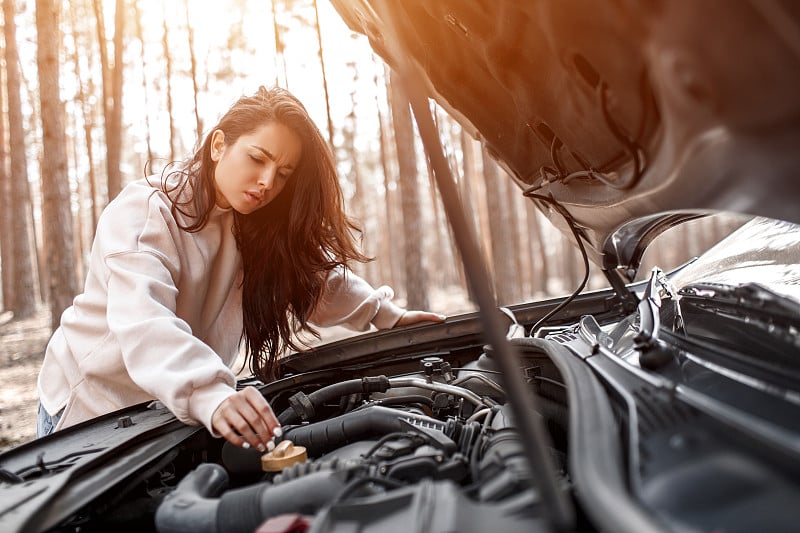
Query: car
668 403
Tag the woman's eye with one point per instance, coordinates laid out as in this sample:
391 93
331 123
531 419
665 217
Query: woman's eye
256 159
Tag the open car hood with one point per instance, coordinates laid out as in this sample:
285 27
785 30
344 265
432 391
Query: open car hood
678 412
618 110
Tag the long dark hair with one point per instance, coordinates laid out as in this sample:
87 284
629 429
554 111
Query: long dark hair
289 246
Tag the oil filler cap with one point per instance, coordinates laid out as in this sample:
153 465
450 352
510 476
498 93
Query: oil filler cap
285 454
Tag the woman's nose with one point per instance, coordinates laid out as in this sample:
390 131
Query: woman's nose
267 178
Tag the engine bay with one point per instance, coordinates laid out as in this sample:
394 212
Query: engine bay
436 448
422 437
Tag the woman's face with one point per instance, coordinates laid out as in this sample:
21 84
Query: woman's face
252 171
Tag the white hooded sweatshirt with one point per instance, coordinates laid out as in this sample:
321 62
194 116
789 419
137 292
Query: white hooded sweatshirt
160 316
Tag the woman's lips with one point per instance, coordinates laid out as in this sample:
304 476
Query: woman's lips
254 198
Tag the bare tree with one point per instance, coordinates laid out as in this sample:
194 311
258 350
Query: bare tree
6 238
388 257
324 76
22 300
358 204
140 36
56 212
170 114
114 133
280 58
193 63
468 176
112 92
502 248
537 250
86 109
416 275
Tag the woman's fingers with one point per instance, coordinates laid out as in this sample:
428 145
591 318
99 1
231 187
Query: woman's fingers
261 408
412 317
223 427
245 419
261 416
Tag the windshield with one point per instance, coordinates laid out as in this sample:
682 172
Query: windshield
762 251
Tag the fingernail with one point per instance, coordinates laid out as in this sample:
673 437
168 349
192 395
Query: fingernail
270 446
278 432
246 445
261 448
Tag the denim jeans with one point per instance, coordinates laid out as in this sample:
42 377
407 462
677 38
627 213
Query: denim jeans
45 422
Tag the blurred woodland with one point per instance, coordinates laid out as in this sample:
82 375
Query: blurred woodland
97 93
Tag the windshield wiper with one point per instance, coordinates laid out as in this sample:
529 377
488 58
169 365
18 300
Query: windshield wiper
749 298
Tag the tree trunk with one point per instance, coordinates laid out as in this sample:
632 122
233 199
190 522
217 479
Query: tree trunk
105 69
87 115
23 297
140 36
512 211
280 58
170 114
324 76
388 256
468 177
540 276
416 279
502 248
437 251
193 62
6 238
358 207
56 212
114 128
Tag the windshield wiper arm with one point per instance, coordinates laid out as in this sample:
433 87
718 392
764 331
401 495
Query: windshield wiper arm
659 292
752 296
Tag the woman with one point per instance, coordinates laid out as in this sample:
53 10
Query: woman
246 242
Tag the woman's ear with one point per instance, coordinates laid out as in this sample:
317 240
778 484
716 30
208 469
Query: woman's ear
217 144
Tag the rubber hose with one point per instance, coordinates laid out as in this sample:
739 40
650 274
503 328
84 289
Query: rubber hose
336 391
191 509
320 437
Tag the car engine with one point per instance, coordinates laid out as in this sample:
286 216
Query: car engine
433 450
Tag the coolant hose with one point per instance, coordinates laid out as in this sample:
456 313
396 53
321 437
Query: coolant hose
375 421
304 406
327 435
191 509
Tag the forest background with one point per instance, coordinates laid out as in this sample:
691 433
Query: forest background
97 93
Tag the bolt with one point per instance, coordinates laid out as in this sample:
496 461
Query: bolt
124 422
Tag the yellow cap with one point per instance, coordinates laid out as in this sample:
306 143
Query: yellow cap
285 454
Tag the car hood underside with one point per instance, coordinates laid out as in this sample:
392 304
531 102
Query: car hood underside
618 110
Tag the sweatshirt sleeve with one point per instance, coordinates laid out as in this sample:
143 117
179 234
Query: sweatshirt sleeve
160 352
351 302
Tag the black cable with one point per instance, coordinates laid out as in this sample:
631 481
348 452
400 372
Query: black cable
631 146
386 438
548 175
579 241
495 372
551 381
356 483
555 144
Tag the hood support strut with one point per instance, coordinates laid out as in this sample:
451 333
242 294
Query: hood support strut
522 398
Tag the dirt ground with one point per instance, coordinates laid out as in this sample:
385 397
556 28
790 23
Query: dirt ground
22 344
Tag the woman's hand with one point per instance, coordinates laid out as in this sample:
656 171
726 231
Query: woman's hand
246 419
412 317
